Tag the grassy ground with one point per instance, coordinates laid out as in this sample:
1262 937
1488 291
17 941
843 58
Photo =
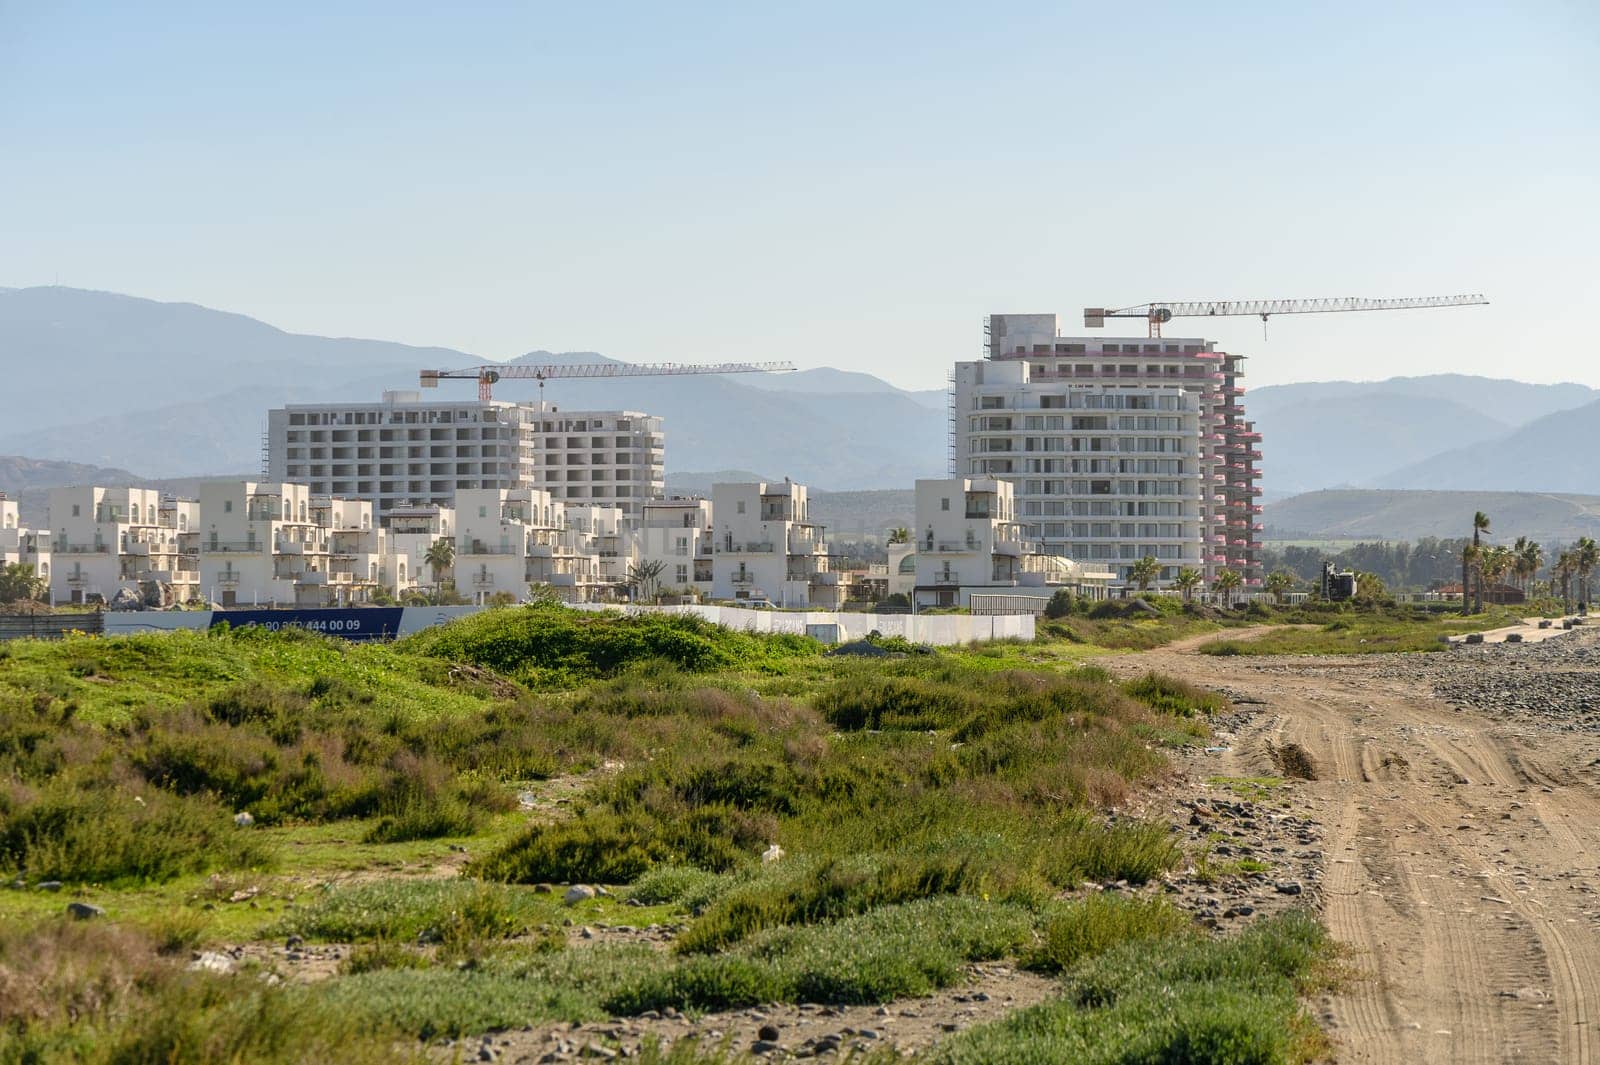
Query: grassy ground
1361 633
411 801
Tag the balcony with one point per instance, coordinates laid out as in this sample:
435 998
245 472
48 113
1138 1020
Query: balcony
750 547
236 547
483 580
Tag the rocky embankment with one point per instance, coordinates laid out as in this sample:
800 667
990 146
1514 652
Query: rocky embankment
1554 684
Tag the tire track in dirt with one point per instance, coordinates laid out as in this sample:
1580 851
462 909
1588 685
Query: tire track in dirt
1461 854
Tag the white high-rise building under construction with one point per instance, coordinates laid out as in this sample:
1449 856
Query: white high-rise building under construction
401 450
1118 448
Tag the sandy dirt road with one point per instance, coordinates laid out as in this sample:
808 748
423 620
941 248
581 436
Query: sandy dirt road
1462 857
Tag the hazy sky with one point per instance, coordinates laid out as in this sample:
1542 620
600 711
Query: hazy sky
852 185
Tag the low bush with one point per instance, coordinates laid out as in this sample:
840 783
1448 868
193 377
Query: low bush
1093 925
448 911
550 646
80 831
1173 696
1230 1001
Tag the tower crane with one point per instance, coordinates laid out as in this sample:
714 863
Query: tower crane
488 376
1158 313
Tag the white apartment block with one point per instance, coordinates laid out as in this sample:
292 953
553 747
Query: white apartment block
967 537
1118 448
358 549
602 533
401 451
968 540
677 533
260 546
412 532
764 546
20 545
508 539
605 458
109 540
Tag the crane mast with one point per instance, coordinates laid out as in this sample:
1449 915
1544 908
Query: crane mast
488 376
1158 313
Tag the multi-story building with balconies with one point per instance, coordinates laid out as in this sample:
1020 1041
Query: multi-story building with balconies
677 533
259 545
1118 448
358 548
110 540
413 530
611 458
508 539
764 547
401 451
20 545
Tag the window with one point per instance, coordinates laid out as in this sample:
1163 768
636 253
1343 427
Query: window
682 574
739 506
227 506
483 512
944 504
74 510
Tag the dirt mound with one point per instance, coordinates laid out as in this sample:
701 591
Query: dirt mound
1295 761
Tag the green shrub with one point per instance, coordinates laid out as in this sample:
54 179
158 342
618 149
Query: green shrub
1170 695
599 847
550 645
80 832
1091 926
452 911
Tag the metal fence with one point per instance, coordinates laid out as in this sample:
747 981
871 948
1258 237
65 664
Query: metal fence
49 626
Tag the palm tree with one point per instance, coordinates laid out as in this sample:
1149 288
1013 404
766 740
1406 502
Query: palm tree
1187 581
644 577
1495 563
1278 584
1530 560
899 535
441 555
1470 556
1480 524
1585 557
1144 572
1562 572
1227 580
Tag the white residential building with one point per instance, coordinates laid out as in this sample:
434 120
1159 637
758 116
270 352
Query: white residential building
1118 448
20 545
677 533
401 450
607 458
968 541
109 540
603 533
967 537
412 532
259 546
510 538
765 547
358 549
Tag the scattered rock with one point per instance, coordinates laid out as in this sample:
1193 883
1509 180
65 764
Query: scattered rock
83 910
210 961
578 893
243 819
769 1032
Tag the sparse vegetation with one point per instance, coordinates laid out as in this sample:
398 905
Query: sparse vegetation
927 811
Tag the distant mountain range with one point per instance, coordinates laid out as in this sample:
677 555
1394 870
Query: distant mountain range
1446 431
1339 514
179 390
174 389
